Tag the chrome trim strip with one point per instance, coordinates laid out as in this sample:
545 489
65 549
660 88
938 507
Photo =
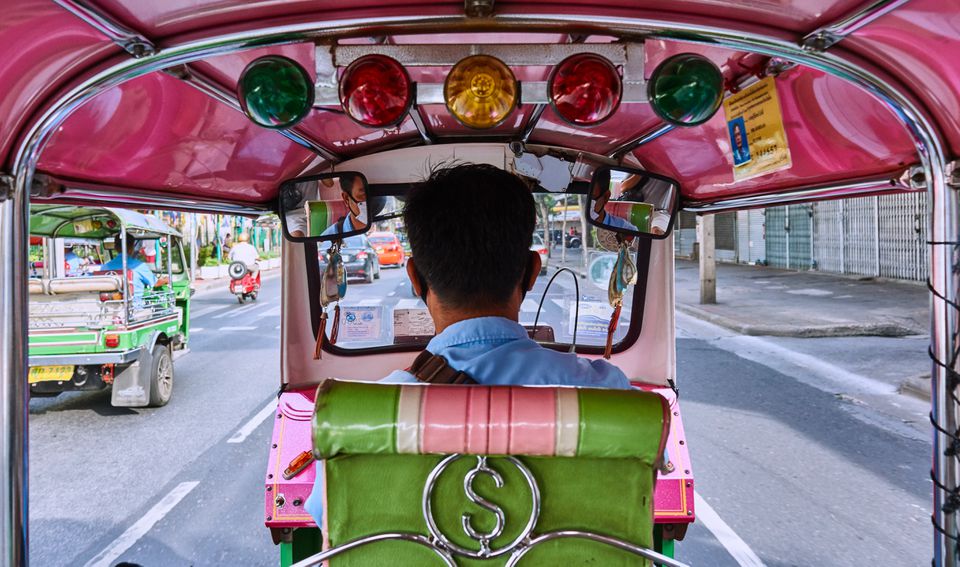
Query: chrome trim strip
319 558
141 198
804 194
417 120
214 90
14 212
531 124
657 558
80 359
134 43
646 137
826 37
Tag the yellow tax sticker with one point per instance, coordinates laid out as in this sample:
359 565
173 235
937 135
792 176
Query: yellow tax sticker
758 141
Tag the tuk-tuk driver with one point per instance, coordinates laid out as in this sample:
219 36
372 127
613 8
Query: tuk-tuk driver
470 229
143 276
354 196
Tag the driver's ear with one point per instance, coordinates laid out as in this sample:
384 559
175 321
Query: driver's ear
414 278
533 269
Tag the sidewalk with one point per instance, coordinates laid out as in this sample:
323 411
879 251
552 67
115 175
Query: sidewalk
755 300
863 316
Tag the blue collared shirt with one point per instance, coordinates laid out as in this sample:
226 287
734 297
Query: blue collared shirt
143 276
498 351
335 227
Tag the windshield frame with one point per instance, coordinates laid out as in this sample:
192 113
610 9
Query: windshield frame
642 260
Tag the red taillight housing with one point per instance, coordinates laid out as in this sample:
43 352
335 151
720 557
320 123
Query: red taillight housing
362 255
110 296
376 91
585 89
111 341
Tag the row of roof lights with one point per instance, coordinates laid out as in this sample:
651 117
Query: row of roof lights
481 91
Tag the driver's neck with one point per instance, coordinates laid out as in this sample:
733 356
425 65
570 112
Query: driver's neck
444 316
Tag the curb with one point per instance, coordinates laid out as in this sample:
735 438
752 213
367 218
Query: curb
820 331
917 387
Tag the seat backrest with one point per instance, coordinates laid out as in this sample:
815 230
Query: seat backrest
81 284
457 463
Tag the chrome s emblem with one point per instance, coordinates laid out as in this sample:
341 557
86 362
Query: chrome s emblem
483 539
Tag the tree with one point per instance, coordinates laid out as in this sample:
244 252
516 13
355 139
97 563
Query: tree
545 202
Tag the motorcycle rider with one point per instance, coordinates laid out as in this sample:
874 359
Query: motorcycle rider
245 252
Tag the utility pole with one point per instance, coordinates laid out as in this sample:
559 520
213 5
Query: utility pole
708 261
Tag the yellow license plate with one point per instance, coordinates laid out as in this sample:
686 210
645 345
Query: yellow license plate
50 374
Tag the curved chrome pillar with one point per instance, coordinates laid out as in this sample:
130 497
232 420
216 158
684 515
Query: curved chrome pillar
13 391
943 228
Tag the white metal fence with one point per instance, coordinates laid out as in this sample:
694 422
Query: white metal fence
873 236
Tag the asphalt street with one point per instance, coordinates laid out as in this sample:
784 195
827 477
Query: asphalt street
802 464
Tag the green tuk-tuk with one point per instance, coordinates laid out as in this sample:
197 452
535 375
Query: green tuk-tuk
94 324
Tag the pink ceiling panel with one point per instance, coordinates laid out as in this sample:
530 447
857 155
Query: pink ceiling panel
156 132
834 132
44 46
921 40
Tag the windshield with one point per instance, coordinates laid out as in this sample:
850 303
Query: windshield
380 308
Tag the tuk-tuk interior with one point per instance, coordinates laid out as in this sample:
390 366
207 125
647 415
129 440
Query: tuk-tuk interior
137 103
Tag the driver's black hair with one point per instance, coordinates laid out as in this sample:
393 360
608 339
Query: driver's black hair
131 242
470 228
347 179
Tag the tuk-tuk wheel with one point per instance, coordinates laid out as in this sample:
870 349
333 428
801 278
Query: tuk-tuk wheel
253 296
240 299
161 376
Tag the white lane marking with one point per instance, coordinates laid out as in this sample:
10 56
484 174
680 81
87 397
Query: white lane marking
410 304
369 301
736 547
273 312
196 329
207 310
240 310
133 534
811 292
528 306
277 327
392 293
237 329
255 421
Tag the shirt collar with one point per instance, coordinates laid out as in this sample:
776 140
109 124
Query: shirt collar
477 329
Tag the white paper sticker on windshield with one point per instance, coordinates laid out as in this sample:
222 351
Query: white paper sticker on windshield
361 323
412 323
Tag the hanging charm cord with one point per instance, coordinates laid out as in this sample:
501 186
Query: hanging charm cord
321 331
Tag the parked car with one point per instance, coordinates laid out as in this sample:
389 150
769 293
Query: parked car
389 249
540 248
359 257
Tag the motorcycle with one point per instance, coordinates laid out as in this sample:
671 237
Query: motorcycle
243 283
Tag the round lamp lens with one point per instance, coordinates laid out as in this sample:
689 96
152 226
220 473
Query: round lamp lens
375 91
585 89
275 92
686 89
481 91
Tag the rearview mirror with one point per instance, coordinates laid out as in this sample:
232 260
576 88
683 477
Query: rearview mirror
633 202
332 206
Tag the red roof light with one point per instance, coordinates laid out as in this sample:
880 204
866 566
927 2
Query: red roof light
376 91
585 89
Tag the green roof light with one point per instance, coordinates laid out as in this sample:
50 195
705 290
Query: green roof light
275 92
686 89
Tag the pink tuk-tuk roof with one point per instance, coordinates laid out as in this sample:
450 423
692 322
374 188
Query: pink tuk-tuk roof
158 134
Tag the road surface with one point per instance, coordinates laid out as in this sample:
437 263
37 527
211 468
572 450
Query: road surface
794 465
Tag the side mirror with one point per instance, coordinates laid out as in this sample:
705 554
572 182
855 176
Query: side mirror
633 202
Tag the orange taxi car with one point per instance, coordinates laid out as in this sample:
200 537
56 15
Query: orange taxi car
389 249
